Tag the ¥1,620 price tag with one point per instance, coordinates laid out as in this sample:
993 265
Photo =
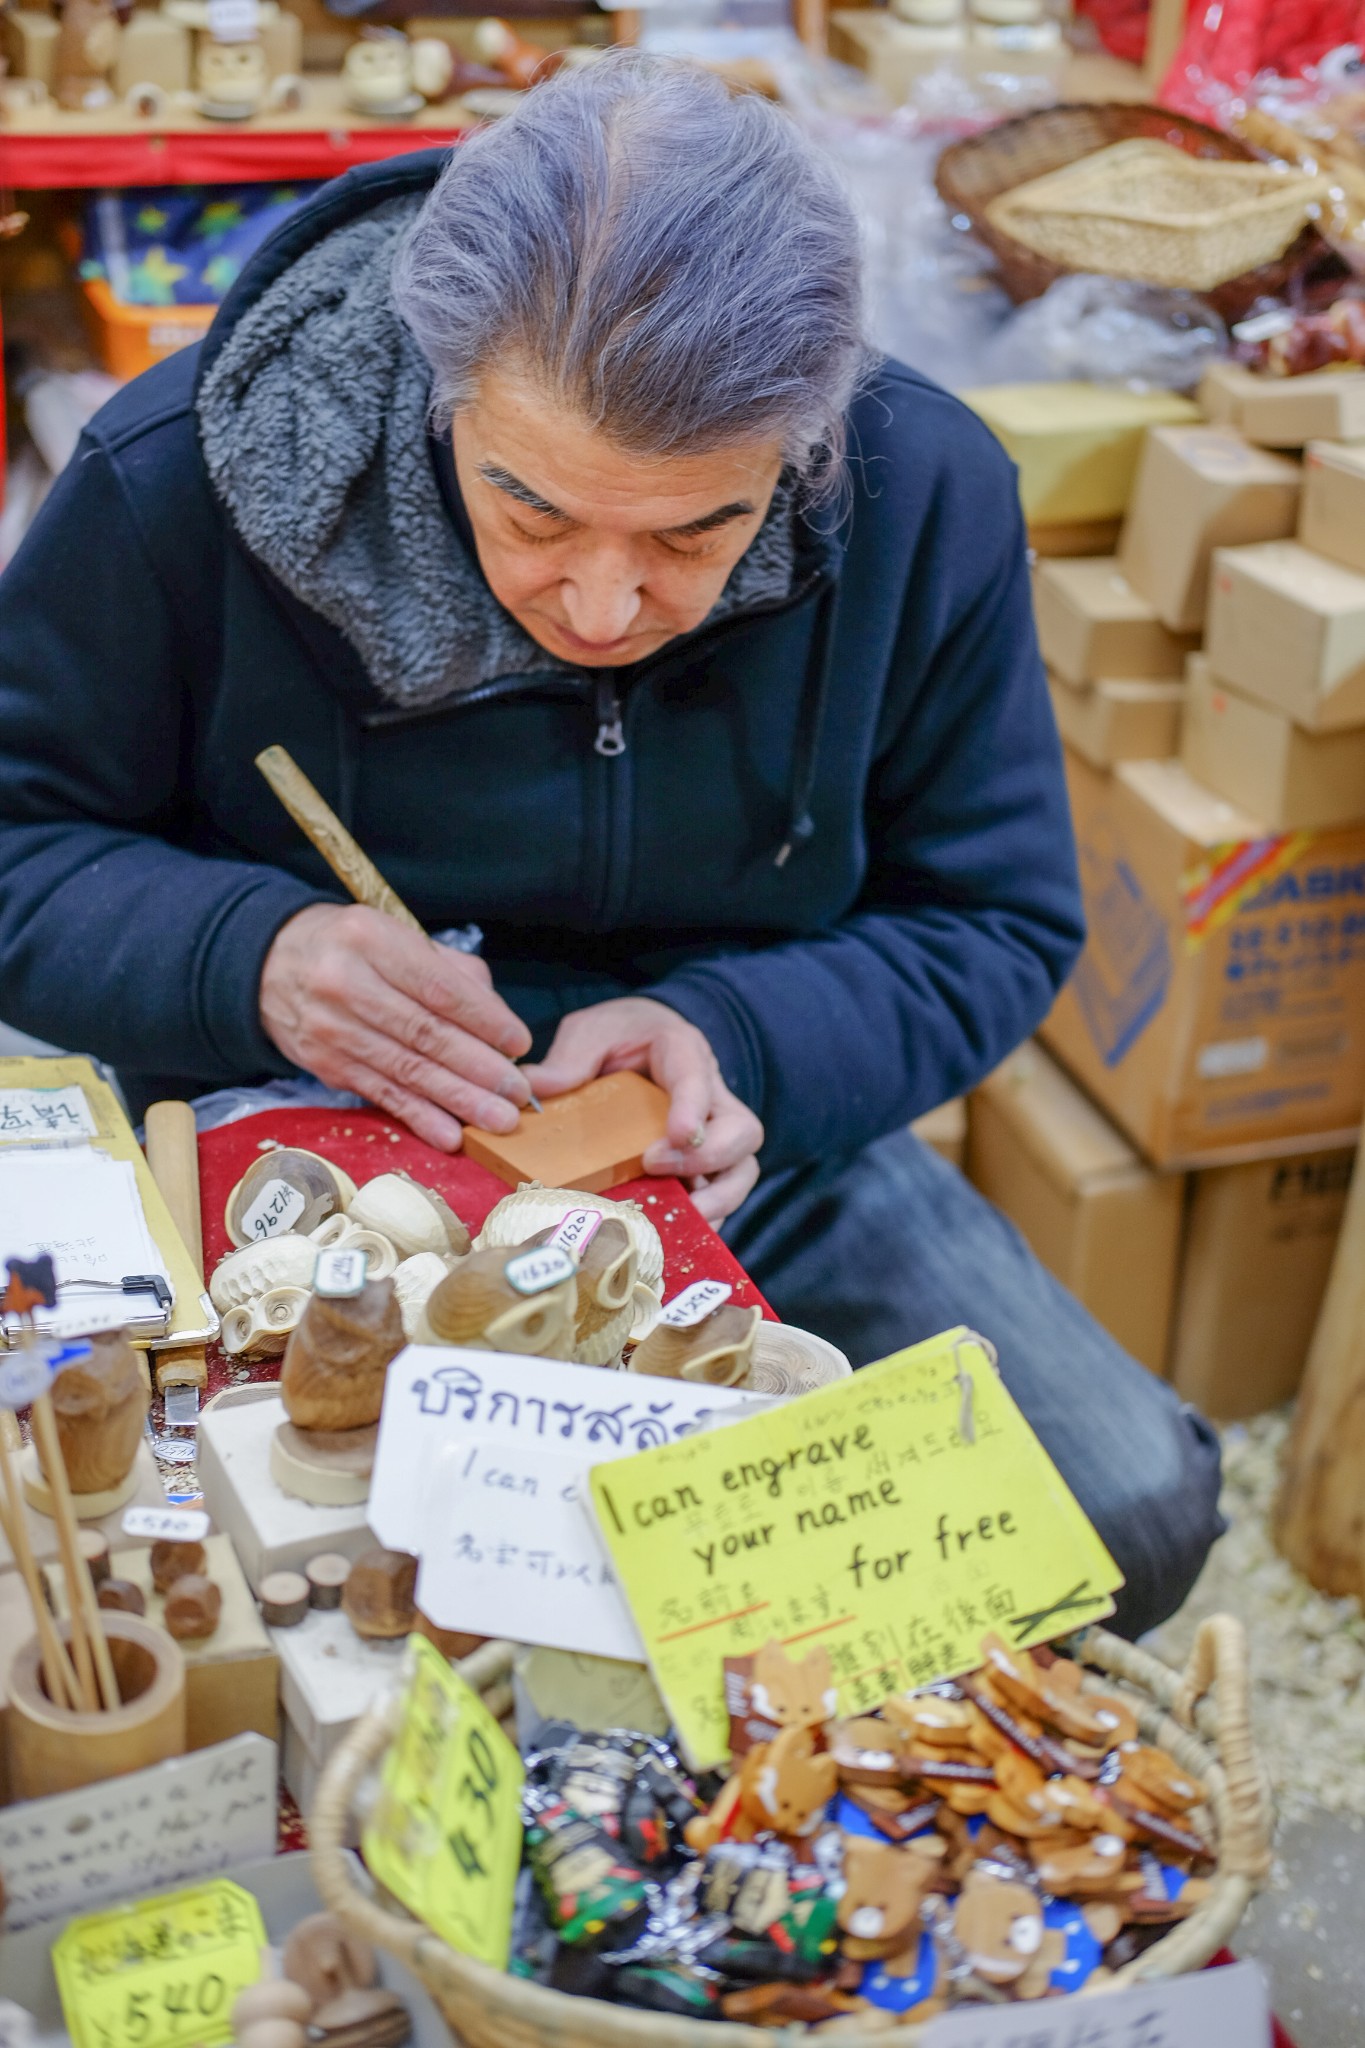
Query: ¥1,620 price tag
160 1974
445 1834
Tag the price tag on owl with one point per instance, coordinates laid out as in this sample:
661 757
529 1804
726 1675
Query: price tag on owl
339 1273
161 1973
694 1302
574 1231
274 1210
445 1833
533 1272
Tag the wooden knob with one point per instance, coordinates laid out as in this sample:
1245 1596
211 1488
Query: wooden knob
284 1598
171 1561
122 1596
379 1597
327 1574
193 1605
94 1548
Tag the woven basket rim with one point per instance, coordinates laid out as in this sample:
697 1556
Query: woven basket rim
1220 1752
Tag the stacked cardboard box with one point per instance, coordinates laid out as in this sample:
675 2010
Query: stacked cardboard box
1217 1016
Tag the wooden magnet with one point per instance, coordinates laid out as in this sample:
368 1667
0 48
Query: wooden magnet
379 1596
284 1598
121 1595
172 1560
192 1607
592 1138
93 1545
326 1575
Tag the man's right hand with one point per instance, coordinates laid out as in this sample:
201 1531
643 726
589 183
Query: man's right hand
367 1004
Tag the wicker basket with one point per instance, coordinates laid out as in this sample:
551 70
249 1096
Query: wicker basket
488 2009
1144 210
972 175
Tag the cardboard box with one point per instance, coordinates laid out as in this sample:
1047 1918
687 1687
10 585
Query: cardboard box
1199 488
1091 623
270 1531
1097 1217
1332 513
153 50
1112 721
1076 445
1218 1009
1285 412
1288 627
945 1130
1258 1248
1255 756
896 54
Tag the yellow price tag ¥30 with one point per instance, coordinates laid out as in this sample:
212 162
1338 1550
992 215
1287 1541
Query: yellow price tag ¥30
162 1972
895 1518
445 1834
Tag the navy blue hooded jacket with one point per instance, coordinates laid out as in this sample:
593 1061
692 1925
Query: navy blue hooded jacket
836 836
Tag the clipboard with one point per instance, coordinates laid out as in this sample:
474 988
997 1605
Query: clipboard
81 1109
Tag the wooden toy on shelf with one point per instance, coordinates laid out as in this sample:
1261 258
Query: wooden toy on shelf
87 47
99 1405
332 1387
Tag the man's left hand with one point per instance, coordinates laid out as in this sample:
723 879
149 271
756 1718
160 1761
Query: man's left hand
712 1139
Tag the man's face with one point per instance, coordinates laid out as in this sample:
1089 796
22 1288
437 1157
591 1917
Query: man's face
602 557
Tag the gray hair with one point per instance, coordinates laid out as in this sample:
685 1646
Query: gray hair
672 261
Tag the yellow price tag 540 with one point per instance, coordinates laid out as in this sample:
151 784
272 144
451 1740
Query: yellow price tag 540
445 1835
161 1973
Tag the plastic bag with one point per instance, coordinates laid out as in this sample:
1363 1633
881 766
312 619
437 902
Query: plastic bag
1109 330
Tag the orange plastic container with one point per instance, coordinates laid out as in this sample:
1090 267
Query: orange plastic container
129 339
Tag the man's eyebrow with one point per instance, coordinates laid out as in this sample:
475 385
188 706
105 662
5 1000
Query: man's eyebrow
709 521
503 480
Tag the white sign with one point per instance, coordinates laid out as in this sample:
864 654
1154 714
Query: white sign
533 1272
340 1273
478 1472
234 21
508 1551
167 1525
695 1302
575 1230
189 1817
38 1115
1226 2007
273 1210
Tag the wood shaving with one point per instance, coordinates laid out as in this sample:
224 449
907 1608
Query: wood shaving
1307 1651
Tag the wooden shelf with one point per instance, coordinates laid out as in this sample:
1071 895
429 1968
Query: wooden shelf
45 149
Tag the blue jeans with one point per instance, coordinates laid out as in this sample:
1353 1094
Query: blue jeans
891 1246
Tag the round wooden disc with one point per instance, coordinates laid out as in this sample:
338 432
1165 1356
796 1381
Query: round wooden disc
94 1548
329 1467
327 1574
283 1597
90 1507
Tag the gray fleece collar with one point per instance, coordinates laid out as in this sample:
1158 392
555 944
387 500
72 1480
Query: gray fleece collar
313 420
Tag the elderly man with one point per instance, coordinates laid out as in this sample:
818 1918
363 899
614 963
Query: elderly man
545 502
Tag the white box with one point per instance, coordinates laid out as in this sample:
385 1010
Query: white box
271 1530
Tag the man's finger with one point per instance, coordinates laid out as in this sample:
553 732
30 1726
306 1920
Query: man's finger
682 1062
578 1052
423 1118
732 1134
378 1003
439 979
722 1196
420 1077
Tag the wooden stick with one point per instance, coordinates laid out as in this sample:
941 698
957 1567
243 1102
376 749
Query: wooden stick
320 824
61 1679
82 1606
172 1146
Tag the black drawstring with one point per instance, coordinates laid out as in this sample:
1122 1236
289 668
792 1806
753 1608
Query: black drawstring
806 747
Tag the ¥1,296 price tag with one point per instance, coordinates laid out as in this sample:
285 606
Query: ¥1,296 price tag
162 1973
445 1834
695 1302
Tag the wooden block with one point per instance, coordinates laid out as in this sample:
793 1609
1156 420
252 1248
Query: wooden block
232 1677
148 1492
593 1138
271 1531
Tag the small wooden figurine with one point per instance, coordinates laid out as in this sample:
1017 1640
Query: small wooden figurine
717 1350
479 1307
100 1405
334 1367
87 47
230 79
380 1594
376 75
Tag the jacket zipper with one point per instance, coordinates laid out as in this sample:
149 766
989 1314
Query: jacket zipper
611 737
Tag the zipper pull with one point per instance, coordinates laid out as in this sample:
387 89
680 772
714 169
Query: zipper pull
611 738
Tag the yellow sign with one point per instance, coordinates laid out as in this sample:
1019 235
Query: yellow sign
445 1836
896 1517
160 1973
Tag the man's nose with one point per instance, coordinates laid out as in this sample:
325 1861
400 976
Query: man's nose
602 600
